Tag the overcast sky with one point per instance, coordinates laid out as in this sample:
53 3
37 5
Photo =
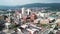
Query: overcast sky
22 2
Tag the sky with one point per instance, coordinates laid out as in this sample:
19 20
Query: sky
22 2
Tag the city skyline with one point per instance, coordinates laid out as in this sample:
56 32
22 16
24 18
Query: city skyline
22 2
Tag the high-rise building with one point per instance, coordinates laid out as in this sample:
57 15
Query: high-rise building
23 10
28 11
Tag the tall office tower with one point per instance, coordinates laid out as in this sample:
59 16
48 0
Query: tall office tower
20 15
23 10
28 11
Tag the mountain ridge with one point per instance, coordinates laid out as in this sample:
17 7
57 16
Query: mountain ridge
52 5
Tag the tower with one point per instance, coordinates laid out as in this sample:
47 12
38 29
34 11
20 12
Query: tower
23 10
28 11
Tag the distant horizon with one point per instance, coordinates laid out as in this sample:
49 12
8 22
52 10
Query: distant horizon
23 2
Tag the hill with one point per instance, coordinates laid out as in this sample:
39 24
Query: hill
51 5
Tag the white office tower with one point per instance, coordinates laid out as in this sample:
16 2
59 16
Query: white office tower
20 15
28 11
23 10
